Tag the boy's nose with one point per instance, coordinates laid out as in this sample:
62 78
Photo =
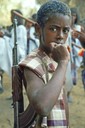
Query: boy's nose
61 35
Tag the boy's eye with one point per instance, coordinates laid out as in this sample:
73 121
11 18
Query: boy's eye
66 30
56 29
53 29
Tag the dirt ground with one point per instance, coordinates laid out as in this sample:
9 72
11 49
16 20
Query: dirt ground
76 108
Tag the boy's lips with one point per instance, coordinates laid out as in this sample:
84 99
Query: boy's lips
59 42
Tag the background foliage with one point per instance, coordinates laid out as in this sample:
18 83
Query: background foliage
79 4
7 5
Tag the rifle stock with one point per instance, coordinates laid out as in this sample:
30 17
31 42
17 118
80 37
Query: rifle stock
17 92
22 118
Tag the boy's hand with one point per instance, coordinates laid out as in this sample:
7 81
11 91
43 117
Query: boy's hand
59 52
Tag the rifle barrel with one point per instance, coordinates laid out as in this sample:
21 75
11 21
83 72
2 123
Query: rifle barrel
31 21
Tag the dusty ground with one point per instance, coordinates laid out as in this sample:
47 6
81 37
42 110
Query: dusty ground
77 107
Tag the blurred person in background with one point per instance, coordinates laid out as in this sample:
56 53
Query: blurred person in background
33 41
21 35
77 31
5 53
76 36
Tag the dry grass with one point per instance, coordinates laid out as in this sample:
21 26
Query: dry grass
77 108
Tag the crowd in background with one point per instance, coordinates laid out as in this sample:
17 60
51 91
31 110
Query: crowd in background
20 34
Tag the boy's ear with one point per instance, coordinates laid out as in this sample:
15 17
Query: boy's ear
38 29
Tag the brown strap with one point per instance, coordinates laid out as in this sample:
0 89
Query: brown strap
27 117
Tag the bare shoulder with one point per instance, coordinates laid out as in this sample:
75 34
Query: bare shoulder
33 82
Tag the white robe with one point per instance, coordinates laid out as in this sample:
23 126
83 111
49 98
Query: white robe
5 55
21 34
6 48
34 43
68 82
78 60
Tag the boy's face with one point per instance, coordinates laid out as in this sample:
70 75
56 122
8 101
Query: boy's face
55 30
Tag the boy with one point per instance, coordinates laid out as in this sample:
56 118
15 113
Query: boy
45 68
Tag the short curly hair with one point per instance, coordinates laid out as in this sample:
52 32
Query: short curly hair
51 8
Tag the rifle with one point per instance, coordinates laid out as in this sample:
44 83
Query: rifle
17 97
22 118
28 20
